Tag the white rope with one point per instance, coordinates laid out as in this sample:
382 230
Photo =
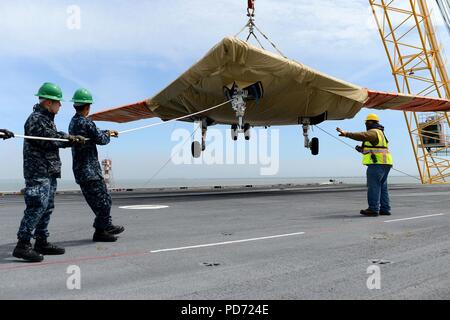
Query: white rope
183 117
125 131
170 158
36 138
40 138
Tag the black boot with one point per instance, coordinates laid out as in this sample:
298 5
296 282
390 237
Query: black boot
46 248
103 236
112 229
24 250
369 213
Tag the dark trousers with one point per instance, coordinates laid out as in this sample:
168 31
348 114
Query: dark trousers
377 187
40 201
99 200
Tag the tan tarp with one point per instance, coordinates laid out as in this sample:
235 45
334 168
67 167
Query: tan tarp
291 90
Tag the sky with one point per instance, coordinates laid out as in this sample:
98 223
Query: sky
126 51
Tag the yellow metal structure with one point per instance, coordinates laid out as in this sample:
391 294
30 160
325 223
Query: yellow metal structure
415 57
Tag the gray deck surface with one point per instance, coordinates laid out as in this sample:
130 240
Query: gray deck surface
328 261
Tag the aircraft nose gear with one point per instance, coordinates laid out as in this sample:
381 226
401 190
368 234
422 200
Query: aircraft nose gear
239 105
235 131
312 144
239 98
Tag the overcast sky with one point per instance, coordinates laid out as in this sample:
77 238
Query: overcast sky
126 51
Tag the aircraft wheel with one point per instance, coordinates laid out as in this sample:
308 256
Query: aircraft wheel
247 131
196 149
234 132
315 146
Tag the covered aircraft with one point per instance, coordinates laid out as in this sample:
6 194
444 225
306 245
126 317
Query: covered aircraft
264 89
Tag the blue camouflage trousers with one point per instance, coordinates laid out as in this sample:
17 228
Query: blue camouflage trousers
99 200
40 202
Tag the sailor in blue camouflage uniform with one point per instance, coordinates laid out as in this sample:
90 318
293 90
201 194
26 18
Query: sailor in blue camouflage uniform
87 170
41 169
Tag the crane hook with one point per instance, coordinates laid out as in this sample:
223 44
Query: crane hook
251 8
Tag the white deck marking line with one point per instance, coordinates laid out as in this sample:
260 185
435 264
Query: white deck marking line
227 242
144 207
420 217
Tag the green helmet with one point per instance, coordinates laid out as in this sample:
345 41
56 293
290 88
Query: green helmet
50 91
82 96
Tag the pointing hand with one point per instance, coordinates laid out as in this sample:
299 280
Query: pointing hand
342 133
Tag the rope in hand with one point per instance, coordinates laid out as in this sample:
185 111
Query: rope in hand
36 138
125 131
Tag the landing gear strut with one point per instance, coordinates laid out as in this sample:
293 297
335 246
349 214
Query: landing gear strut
239 98
238 103
196 147
312 144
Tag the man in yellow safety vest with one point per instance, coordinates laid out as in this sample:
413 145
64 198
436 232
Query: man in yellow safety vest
378 159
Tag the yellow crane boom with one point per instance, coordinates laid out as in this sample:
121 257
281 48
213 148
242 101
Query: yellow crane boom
414 54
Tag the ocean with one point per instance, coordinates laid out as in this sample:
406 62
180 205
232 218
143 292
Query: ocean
14 185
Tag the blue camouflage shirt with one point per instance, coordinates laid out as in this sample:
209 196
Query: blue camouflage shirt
85 157
41 158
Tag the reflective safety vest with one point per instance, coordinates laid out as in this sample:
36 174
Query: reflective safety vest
378 154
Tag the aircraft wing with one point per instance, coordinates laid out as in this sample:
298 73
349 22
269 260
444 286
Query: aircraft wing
127 113
396 101
292 91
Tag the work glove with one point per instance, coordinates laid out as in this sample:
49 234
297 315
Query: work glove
6 134
113 133
76 139
359 149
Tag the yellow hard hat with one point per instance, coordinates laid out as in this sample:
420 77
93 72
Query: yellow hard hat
372 117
